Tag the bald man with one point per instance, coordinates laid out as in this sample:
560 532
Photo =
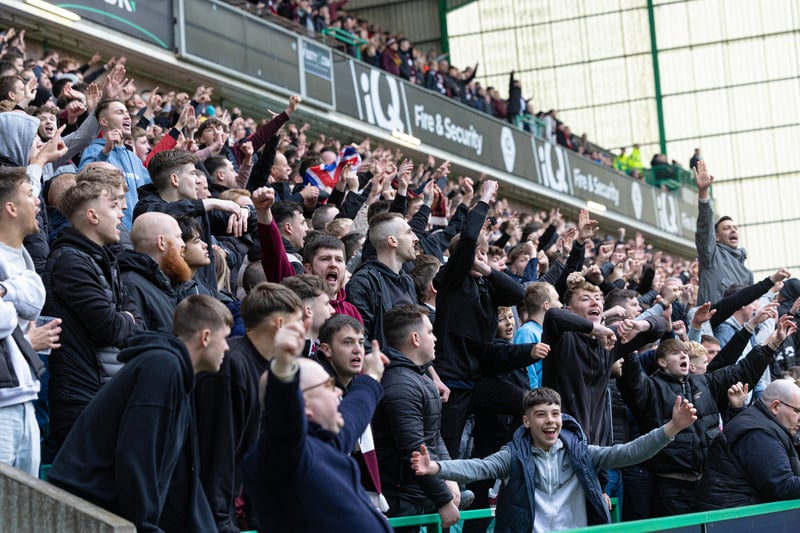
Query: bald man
754 459
84 289
300 471
154 268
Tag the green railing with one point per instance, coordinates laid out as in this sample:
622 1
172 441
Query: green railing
672 177
347 38
776 517
535 125
434 523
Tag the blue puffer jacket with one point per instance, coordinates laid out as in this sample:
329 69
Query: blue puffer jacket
515 506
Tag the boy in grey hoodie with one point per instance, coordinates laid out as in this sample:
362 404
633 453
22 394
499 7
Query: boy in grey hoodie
549 469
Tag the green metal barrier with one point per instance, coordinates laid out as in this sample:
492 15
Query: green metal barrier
757 515
535 125
434 523
347 38
673 177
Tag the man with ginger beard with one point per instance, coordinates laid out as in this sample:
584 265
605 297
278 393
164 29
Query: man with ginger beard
154 268
175 191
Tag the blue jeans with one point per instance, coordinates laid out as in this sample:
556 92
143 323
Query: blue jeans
614 487
19 438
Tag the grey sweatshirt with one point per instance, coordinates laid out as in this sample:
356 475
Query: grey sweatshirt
560 498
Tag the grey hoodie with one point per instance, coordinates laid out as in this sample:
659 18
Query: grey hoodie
720 266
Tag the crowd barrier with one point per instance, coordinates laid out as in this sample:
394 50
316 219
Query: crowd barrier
434 524
776 517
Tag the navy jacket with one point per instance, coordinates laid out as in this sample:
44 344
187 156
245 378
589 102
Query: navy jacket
133 450
752 461
301 477
515 504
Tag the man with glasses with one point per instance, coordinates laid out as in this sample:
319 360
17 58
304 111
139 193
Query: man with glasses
754 459
299 473
678 467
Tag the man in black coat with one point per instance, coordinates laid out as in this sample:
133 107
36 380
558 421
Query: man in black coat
227 401
679 466
468 294
408 416
85 290
380 282
133 451
754 459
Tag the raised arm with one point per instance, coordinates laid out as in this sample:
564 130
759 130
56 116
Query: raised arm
273 254
281 442
704 237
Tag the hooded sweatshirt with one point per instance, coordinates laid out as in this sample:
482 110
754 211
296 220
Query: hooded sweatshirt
133 169
17 134
136 439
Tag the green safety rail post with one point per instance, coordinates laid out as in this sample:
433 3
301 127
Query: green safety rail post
347 38
434 520
717 518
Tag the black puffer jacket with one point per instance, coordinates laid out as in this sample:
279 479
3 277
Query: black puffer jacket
651 400
151 290
408 416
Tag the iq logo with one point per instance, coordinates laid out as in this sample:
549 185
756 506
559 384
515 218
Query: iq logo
381 101
551 166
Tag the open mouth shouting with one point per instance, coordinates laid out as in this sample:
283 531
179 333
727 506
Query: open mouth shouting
332 278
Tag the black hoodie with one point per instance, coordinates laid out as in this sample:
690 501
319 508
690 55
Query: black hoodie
133 451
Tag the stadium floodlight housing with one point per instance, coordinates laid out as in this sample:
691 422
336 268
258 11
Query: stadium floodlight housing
54 10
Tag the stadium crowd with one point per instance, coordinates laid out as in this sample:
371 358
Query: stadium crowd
223 322
397 55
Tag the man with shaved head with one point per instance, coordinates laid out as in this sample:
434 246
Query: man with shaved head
754 459
84 289
302 453
154 267
380 284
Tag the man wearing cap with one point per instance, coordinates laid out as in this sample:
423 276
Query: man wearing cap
718 252
390 58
